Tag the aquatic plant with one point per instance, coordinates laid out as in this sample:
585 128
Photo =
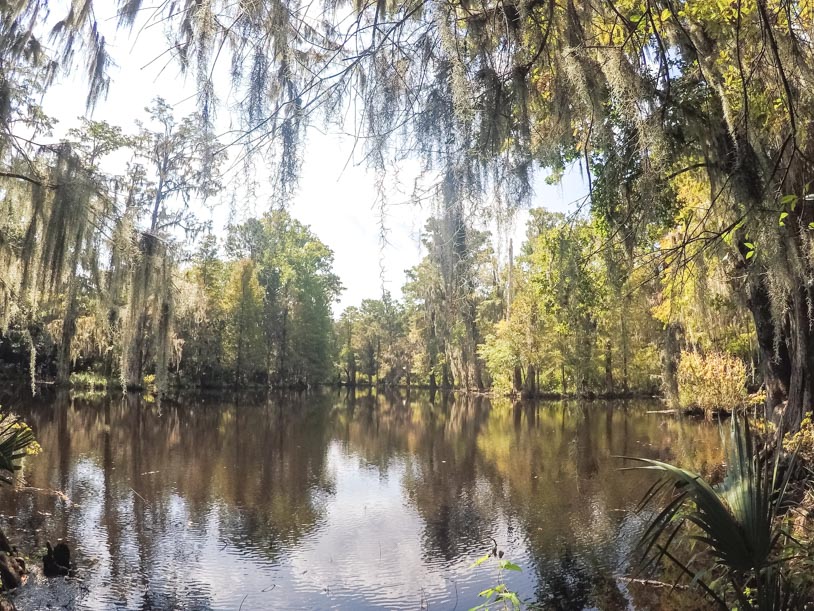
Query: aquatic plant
498 596
747 556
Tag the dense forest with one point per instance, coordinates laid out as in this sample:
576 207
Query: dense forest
109 269
689 122
687 269
116 274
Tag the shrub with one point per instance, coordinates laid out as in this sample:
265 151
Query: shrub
802 441
711 381
88 379
743 555
16 441
500 357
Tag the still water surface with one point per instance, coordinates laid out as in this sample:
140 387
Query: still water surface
327 501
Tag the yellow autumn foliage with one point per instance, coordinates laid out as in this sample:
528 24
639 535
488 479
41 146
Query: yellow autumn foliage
711 381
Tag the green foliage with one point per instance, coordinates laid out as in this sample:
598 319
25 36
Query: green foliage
444 292
744 554
374 343
200 319
802 441
92 245
498 596
88 380
265 316
566 325
571 324
501 354
16 441
298 289
712 381
243 309
687 214
89 255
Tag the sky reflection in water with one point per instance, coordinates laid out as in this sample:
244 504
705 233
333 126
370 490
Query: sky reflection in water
329 501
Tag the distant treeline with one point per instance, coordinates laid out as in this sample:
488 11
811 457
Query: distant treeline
569 314
261 315
565 316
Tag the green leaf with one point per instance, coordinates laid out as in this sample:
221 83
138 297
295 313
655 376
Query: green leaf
789 199
749 245
750 254
513 598
480 560
509 566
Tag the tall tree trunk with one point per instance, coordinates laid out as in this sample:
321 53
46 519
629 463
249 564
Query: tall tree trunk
509 287
608 368
69 322
240 324
775 363
786 355
282 374
529 389
159 191
446 382
472 350
670 355
68 332
478 373
786 346
562 379
378 356
801 348
625 378
135 352
517 379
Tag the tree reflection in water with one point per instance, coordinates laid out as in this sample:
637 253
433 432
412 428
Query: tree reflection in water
357 500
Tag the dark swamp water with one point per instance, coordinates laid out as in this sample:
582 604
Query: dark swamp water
327 501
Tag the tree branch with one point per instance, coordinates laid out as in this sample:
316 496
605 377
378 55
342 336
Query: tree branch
33 181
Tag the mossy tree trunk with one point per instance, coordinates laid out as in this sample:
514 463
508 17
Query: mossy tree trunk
670 355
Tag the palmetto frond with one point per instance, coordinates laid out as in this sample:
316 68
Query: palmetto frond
739 523
16 441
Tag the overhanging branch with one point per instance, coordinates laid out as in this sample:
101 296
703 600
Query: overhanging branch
26 178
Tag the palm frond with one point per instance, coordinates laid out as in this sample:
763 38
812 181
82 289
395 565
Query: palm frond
739 523
16 441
